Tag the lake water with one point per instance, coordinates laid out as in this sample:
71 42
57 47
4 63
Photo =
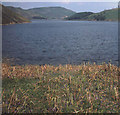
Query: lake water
61 42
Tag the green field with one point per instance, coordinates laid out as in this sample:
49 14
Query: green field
60 89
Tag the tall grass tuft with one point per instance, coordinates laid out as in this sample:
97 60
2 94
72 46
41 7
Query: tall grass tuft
85 88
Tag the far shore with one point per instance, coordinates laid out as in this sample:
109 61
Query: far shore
63 20
15 23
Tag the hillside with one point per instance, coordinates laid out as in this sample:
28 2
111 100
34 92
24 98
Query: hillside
10 17
78 16
106 15
25 13
20 11
52 12
43 12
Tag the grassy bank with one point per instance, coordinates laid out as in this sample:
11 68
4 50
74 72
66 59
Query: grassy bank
69 88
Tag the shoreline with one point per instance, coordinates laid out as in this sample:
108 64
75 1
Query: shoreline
62 20
15 62
15 23
96 20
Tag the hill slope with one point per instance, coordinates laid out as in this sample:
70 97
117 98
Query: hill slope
44 12
10 17
25 13
107 15
79 16
52 12
20 11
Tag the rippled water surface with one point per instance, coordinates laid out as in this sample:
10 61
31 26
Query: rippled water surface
61 42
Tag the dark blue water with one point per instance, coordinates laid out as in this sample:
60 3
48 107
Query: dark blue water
61 42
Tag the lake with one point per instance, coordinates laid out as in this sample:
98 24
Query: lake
61 42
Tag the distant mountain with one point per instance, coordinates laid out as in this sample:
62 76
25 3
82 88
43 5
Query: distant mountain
52 12
80 16
106 15
10 17
44 12
14 14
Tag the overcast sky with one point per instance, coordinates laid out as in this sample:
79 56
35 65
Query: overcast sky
75 6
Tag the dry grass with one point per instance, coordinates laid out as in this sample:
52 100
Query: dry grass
86 88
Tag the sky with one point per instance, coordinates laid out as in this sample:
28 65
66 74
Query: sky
75 6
